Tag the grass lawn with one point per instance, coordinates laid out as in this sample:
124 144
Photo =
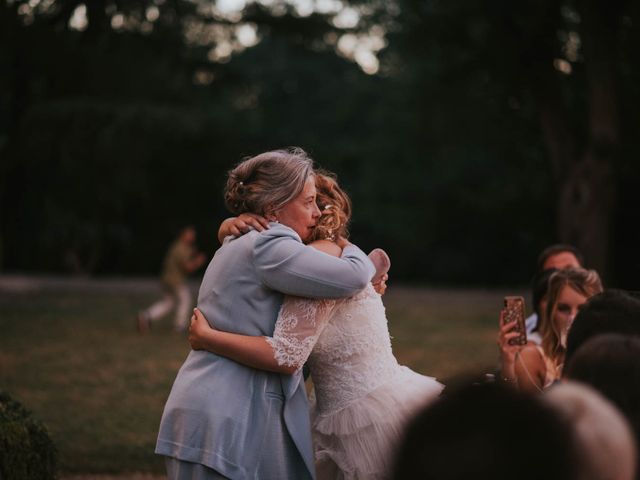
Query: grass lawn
69 352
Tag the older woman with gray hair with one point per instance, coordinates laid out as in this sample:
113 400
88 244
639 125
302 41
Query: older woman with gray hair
226 420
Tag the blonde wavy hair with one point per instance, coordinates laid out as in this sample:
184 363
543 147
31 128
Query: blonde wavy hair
585 282
335 206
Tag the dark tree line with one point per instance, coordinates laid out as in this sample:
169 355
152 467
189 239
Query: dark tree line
491 129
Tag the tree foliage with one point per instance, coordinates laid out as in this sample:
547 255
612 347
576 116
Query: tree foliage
492 128
538 87
26 450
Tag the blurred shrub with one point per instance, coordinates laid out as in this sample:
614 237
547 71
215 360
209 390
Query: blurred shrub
26 450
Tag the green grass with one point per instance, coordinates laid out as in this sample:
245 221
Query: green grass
72 356
444 332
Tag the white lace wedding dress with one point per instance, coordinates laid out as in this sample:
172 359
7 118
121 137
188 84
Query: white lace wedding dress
363 397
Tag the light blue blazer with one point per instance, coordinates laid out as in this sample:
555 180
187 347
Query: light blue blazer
239 421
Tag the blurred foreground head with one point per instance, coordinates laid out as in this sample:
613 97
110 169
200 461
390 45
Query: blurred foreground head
610 364
612 311
603 442
487 431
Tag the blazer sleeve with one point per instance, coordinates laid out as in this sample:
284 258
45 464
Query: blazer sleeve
286 265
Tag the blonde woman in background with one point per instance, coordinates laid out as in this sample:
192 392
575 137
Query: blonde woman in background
535 367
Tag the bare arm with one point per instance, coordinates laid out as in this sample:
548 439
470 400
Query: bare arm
507 352
238 226
291 344
522 366
530 370
300 323
254 352
297 329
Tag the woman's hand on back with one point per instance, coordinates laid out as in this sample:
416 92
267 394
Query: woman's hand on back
382 262
199 331
381 285
238 226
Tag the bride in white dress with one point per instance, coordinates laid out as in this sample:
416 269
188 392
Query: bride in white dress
363 397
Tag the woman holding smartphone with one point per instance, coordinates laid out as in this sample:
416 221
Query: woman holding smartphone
535 367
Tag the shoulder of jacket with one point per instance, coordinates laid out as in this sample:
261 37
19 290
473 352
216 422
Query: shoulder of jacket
277 231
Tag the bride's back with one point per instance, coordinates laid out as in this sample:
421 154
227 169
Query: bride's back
353 354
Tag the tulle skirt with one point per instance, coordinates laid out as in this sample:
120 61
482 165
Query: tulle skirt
360 441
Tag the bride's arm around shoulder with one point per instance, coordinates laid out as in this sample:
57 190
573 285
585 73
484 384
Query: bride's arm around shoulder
328 247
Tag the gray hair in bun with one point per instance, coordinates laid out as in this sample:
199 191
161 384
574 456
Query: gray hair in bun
265 183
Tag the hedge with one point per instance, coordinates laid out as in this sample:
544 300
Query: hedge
26 450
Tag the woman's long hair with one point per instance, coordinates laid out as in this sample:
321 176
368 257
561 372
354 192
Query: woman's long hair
585 282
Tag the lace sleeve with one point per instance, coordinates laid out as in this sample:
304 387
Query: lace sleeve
299 324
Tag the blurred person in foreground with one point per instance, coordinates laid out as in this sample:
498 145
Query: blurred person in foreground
181 259
491 431
603 440
535 367
487 431
603 351
612 311
610 363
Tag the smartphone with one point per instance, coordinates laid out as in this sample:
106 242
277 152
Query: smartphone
514 310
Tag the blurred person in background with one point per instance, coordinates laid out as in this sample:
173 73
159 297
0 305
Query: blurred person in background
181 259
558 256
535 367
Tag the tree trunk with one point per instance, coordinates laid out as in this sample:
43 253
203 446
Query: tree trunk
583 163
587 193
584 206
